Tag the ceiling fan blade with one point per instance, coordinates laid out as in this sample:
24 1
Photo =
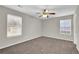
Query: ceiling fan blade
52 13
40 16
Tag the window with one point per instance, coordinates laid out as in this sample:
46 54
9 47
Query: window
65 26
14 25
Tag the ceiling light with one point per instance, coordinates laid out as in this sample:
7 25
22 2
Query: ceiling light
44 16
46 11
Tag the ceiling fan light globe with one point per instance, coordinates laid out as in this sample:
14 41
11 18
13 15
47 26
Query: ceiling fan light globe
44 15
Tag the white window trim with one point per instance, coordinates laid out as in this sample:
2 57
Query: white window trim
64 33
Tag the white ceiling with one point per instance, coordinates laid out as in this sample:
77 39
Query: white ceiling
60 10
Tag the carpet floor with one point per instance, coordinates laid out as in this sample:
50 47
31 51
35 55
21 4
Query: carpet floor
42 45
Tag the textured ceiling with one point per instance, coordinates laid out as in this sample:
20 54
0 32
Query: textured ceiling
60 10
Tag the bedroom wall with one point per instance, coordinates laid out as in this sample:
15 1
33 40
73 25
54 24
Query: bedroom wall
31 28
76 27
51 28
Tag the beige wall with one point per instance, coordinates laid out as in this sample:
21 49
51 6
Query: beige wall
31 28
51 28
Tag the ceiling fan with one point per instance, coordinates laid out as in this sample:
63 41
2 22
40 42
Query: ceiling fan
45 13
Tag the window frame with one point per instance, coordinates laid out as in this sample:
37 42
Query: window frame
19 22
64 31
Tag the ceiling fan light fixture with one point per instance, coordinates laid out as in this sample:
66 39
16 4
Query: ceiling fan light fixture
46 11
44 16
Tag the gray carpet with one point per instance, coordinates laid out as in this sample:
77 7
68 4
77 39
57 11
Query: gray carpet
42 45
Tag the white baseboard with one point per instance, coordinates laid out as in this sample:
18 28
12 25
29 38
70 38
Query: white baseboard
19 42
